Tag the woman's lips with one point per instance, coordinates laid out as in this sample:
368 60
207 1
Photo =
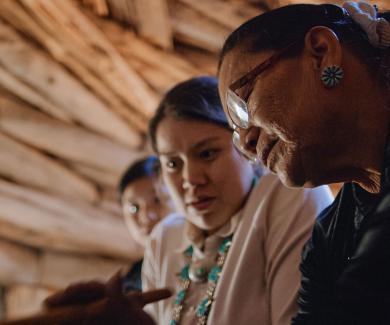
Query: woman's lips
266 151
201 204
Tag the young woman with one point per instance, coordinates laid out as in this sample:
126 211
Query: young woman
144 202
307 89
231 254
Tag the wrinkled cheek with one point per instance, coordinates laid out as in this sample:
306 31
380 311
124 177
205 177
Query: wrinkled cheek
289 167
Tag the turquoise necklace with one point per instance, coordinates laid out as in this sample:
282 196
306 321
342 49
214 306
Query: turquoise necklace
205 304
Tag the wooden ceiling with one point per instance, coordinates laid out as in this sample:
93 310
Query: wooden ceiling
79 80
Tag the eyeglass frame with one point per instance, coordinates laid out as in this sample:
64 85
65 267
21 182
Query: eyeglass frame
251 78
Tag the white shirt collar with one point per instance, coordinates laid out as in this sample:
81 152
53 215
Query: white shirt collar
195 236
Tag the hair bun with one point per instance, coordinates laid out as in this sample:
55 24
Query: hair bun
365 15
383 29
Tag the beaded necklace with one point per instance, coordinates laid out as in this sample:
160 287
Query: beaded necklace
205 304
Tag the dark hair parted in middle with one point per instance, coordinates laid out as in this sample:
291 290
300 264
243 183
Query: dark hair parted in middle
194 99
287 25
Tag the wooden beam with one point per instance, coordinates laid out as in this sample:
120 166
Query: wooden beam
205 61
59 270
45 221
88 61
191 27
23 265
47 77
76 28
161 69
23 300
19 264
230 15
123 11
102 178
131 46
28 166
100 7
153 22
17 87
63 140
112 206
157 80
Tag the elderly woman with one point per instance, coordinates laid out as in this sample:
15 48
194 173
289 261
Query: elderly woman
231 255
306 88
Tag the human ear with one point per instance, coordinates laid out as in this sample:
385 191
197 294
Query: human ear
322 47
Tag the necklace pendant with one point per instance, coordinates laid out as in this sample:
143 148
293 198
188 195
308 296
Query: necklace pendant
198 274
199 271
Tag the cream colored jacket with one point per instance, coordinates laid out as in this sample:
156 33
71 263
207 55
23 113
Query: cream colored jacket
260 278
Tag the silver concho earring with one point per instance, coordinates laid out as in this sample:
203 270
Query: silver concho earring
331 76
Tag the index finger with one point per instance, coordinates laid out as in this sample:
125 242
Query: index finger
155 295
78 293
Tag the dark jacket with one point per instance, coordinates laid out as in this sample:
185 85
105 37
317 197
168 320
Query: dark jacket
346 264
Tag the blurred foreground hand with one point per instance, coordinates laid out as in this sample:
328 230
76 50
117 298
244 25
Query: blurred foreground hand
95 303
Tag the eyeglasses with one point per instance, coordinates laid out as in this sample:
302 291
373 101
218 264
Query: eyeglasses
237 106
247 154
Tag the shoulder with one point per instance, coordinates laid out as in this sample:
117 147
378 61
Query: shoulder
374 242
167 234
165 238
271 192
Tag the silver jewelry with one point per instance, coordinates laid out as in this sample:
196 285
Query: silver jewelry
213 276
332 75
199 271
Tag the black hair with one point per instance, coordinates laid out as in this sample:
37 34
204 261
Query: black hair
147 167
194 99
287 25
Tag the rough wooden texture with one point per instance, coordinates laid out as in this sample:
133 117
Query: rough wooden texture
28 166
23 265
17 87
100 7
161 69
75 42
230 15
23 300
66 141
58 270
19 264
153 22
45 221
47 77
193 28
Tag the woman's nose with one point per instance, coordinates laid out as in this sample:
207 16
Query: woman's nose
192 176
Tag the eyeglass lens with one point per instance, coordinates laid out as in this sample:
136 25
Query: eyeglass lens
249 155
237 110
